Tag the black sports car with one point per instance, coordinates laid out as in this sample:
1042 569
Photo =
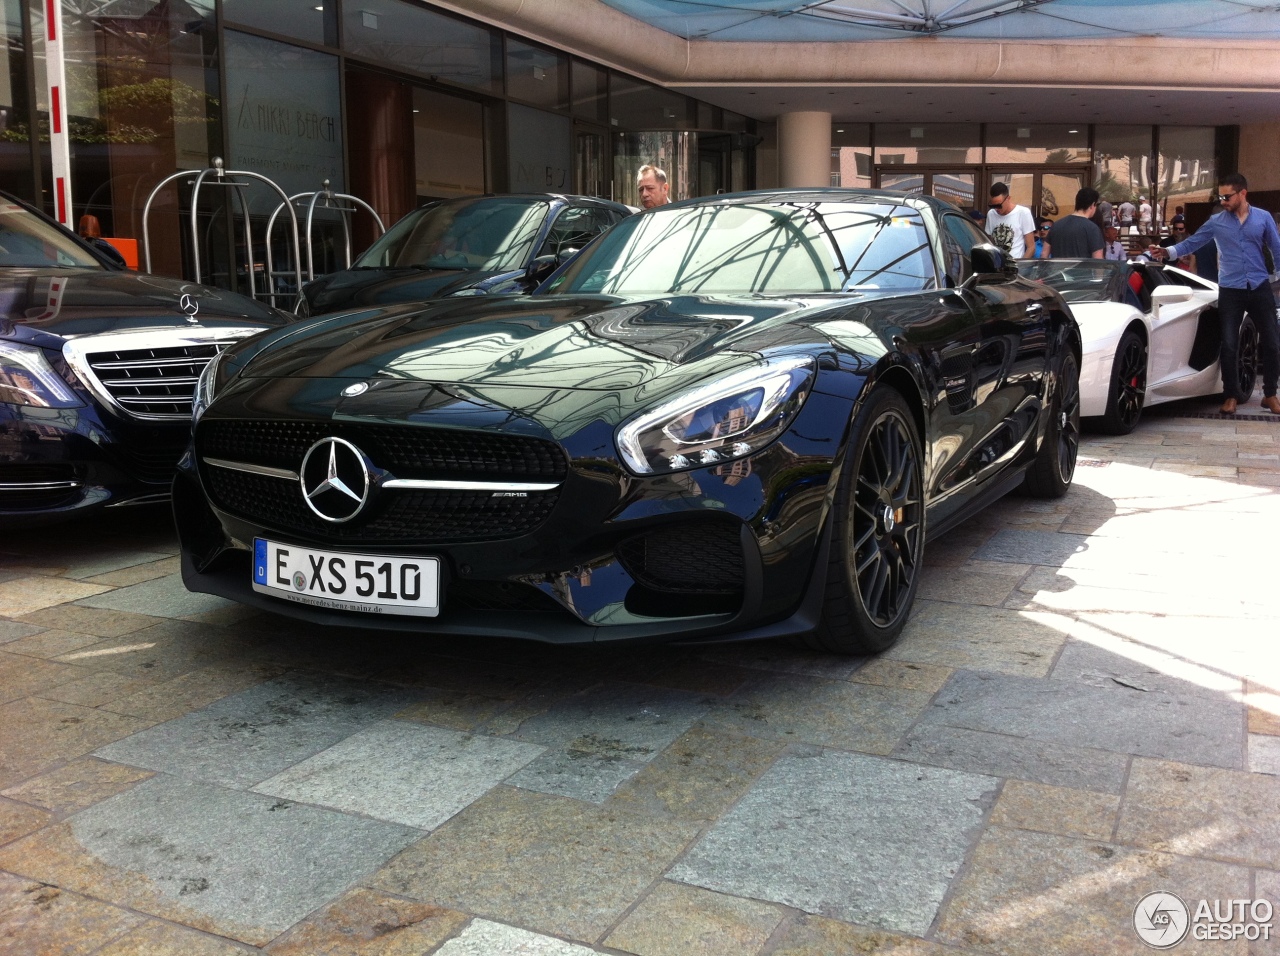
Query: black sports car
480 246
728 418
97 369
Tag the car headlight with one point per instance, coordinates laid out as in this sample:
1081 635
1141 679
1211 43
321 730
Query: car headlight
206 387
27 378
725 419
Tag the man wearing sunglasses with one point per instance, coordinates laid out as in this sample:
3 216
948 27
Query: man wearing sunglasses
1244 283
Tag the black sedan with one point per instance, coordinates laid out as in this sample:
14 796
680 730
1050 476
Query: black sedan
480 246
97 369
728 418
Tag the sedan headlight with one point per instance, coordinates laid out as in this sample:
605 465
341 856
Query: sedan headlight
725 419
206 387
27 378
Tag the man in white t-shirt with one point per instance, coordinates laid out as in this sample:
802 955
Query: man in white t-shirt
1144 214
1010 226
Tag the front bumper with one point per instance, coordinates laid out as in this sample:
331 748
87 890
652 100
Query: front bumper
710 553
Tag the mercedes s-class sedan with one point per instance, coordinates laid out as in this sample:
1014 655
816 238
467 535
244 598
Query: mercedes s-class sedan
730 418
97 369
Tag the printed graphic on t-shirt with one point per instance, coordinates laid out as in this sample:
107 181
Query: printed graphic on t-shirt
1002 235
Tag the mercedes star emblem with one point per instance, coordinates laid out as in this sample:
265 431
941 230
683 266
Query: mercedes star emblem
359 388
189 305
335 479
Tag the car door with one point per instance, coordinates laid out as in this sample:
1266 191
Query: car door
1174 325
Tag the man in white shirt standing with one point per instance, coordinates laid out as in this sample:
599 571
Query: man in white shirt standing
1144 215
1010 226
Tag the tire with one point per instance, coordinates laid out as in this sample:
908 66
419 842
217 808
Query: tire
1246 362
1054 466
877 546
1128 388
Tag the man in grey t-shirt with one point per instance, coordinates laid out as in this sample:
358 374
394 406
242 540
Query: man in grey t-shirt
1077 236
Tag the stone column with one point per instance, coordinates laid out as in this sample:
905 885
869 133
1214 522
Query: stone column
804 149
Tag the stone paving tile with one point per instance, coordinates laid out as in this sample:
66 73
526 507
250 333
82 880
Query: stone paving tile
78 784
97 688
1015 756
817 936
548 863
680 920
23 595
978 638
455 710
224 861
155 654
484 938
1052 895
162 597
17 820
22 676
696 674
1264 754
365 922
138 573
49 644
1203 812
170 699
36 918
698 777
89 620
16 630
905 675
490 679
402 773
154 938
590 770
242 740
862 839
781 657
1122 663
38 734
958 585
834 713
80 562
1264 708
1033 547
1121 720
1077 813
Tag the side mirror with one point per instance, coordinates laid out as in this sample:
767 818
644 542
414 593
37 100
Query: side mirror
1169 294
543 266
990 264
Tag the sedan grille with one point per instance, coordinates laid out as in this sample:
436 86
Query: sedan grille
157 382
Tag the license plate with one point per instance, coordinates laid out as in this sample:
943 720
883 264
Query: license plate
373 583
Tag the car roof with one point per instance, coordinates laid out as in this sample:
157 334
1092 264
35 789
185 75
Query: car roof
824 194
545 197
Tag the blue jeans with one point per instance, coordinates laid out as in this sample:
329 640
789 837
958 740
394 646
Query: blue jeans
1260 305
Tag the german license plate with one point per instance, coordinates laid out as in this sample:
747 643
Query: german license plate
373 583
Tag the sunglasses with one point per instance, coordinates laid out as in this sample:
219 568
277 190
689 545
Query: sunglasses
1223 197
1179 228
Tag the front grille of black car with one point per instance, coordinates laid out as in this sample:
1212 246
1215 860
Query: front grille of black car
153 458
397 515
153 382
698 557
405 451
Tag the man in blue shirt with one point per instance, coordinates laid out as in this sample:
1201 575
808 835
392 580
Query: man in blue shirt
1244 286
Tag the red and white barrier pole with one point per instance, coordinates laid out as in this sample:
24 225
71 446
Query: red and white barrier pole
59 134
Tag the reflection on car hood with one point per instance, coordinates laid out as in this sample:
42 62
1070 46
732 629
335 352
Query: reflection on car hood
71 302
596 342
354 288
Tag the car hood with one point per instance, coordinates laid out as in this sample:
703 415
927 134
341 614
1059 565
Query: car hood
353 288
593 343
65 303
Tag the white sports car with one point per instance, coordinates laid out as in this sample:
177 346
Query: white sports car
1150 334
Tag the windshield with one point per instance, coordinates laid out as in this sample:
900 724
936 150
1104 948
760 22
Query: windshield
27 241
477 235
1083 280
784 247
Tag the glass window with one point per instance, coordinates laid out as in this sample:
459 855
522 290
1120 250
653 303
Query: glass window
851 154
391 32
448 145
780 248
1187 172
15 121
537 76
539 150
641 106
574 228
591 92
932 144
315 21
488 234
26 241
673 153
960 235
1037 143
1121 159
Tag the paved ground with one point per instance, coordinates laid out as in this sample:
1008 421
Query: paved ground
1085 709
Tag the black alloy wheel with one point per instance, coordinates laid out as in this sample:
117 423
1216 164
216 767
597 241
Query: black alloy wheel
1128 389
1246 360
1054 466
878 544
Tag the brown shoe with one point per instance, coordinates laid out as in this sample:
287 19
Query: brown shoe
1229 407
1271 404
